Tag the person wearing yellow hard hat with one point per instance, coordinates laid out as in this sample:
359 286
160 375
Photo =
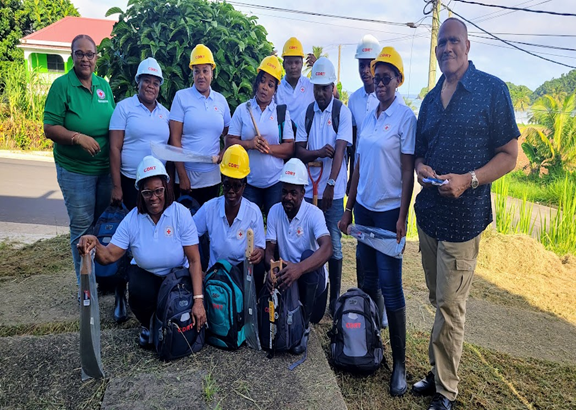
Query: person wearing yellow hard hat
227 218
295 89
385 154
199 117
264 129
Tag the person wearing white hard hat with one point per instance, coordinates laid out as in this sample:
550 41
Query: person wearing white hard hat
297 230
386 155
268 143
161 235
136 122
324 133
199 120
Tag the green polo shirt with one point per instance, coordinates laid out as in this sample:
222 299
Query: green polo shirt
71 105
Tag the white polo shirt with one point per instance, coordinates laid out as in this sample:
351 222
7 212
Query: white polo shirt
361 103
322 133
296 99
229 242
157 248
298 235
204 120
381 144
141 127
264 169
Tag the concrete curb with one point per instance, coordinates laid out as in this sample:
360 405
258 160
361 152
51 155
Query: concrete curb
44 156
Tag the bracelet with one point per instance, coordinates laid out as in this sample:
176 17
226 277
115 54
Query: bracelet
348 210
74 136
198 296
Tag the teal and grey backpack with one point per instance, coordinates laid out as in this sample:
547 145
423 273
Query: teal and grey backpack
224 306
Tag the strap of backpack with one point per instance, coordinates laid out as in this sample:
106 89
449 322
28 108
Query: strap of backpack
308 119
281 117
336 108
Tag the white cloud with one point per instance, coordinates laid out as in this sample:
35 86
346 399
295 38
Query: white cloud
412 44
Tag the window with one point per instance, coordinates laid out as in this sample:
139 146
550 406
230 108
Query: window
55 63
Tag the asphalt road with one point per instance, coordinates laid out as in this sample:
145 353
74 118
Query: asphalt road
29 194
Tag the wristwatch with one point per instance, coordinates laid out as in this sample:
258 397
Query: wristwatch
331 182
475 182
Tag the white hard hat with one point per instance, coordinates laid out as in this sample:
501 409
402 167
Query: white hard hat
294 172
323 72
368 47
150 167
151 67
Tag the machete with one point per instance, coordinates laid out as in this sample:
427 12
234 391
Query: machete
250 306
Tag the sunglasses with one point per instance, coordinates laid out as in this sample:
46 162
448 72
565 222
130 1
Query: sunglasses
147 193
80 55
386 80
234 186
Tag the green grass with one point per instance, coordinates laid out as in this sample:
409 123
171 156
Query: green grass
545 190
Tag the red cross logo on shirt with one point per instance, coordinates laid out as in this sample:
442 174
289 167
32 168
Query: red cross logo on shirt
386 127
302 89
100 94
299 231
329 122
168 231
215 108
240 234
271 118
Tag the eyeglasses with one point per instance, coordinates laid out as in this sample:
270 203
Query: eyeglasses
80 55
158 192
386 80
236 186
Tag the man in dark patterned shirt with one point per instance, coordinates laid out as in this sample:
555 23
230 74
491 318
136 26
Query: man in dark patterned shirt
466 137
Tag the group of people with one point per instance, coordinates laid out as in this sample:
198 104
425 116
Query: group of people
285 160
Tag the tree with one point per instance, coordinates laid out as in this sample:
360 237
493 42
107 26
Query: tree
19 18
565 84
550 139
520 95
318 52
423 93
168 31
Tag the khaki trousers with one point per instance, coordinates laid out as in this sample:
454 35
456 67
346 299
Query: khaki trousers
449 268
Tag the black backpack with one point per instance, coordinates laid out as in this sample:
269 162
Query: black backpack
104 229
172 332
336 108
355 335
289 319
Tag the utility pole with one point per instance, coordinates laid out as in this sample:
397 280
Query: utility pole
339 50
433 44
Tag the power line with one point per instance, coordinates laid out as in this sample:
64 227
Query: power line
530 34
553 13
528 44
511 48
508 43
501 13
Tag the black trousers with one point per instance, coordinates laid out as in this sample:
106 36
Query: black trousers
143 293
129 192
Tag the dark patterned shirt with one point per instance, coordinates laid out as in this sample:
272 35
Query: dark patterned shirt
461 138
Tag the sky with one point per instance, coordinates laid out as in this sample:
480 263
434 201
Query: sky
413 44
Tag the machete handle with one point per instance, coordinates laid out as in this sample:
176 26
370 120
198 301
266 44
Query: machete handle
315 164
275 265
249 242
86 264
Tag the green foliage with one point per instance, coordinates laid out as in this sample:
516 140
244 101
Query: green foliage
521 96
19 18
559 234
21 108
423 93
318 52
565 84
550 139
169 31
342 93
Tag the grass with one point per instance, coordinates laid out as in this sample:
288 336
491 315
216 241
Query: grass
546 190
43 257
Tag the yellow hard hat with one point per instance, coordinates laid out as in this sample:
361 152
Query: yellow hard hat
271 65
235 162
293 48
202 55
390 56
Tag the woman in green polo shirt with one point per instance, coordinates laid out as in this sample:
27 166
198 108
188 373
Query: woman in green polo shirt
76 117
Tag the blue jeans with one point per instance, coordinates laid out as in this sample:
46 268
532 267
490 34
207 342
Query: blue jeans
333 216
264 197
379 269
85 197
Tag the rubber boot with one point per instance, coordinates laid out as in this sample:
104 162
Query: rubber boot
307 297
120 314
381 310
397 329
335 275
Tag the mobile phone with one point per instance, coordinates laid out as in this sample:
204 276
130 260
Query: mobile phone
435 181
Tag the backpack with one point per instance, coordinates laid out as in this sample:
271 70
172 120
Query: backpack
290 324
224 306
336 108
172 331
355 335
104 229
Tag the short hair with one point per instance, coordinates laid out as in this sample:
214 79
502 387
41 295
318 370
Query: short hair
82 37
257 81
459 21
168 194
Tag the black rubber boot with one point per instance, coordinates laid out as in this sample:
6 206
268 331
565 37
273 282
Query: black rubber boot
307 297
120 314
381 310
335 275
397 329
